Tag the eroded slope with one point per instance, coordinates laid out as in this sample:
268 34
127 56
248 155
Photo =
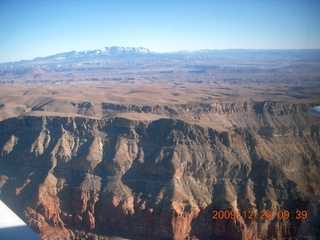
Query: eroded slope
162 179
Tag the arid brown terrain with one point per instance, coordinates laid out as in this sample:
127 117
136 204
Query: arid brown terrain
139 145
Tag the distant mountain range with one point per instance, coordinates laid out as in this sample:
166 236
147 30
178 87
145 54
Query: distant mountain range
124 52
106 51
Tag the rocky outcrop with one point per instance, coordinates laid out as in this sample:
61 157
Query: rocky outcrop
190 110
166 179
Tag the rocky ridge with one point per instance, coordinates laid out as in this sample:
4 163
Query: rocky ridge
78 177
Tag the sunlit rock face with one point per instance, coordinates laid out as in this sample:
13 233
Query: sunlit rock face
73 178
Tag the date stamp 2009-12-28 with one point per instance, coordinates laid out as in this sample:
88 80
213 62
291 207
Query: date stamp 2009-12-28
262 214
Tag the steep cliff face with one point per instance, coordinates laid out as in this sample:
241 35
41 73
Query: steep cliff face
166 179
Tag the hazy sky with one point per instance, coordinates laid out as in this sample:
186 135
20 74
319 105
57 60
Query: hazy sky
31 28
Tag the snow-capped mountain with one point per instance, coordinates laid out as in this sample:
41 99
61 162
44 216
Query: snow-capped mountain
106 51
121 50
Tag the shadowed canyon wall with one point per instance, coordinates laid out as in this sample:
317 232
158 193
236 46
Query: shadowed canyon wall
163 179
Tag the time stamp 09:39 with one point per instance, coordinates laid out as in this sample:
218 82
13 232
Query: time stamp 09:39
262 214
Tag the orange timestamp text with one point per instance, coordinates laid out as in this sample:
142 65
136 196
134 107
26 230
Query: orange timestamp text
262 214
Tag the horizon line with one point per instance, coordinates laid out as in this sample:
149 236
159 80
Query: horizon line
175 51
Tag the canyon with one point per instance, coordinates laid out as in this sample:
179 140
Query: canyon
163 179
146 159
